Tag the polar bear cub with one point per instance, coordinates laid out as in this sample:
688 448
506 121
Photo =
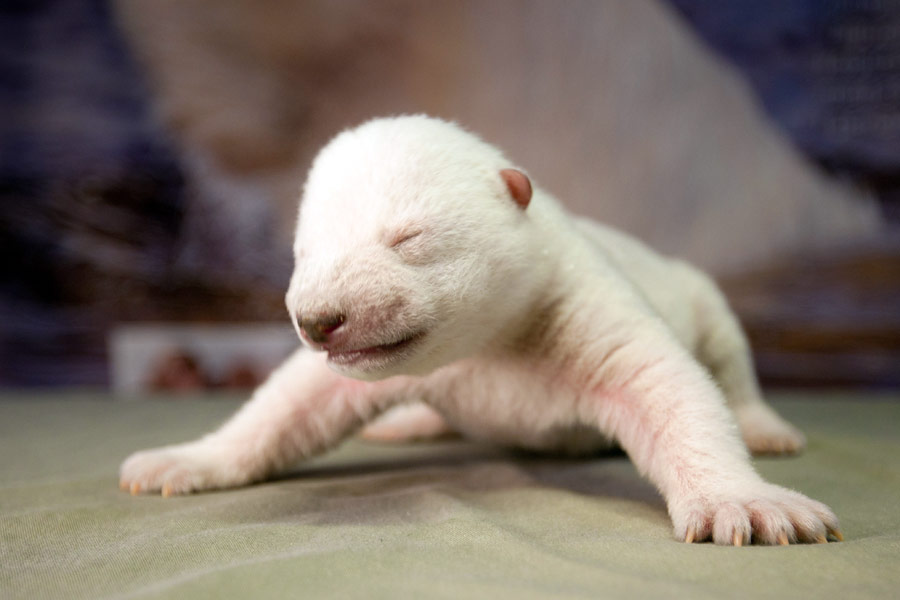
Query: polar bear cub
428 269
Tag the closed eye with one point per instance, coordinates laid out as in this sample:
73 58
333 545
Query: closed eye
403 237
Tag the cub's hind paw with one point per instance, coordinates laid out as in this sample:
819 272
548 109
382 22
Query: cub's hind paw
766 433
407 423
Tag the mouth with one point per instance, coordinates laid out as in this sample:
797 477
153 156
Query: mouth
375 356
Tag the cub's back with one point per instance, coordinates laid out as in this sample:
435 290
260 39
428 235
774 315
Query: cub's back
671 286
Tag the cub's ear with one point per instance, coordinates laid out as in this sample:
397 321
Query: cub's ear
518 185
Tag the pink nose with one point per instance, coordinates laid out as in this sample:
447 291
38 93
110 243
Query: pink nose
319 328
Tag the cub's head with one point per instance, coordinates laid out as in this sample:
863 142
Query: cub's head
414 248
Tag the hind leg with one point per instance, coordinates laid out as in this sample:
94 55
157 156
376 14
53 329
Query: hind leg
407 423
724 350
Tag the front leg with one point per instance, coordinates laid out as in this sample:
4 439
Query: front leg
303 409
671 419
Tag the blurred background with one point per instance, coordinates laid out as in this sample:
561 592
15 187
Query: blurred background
152 153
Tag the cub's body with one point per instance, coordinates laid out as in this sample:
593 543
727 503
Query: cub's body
429 271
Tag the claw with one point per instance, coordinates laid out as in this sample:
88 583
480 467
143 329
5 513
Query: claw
783 539
821 539
837 534
738 539
167 491
135 488
689 536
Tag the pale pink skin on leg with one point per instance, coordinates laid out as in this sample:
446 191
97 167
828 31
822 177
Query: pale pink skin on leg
428 270
302 410
687 445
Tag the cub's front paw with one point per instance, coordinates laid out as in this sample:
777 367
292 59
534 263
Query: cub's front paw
179 469
760 513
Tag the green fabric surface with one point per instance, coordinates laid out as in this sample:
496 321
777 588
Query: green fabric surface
437 520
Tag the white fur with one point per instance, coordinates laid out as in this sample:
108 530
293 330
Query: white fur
540 331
